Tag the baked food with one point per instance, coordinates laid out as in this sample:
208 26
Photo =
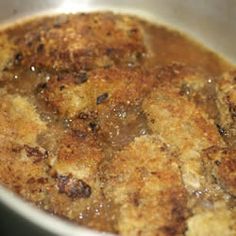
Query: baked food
111 133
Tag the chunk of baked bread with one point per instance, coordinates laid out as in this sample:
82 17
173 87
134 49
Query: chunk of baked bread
185 127
19 120
144 182
82 41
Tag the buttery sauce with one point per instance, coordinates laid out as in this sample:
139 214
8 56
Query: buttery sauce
108 130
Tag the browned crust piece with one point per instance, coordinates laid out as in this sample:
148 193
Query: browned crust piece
23 169
19 120
185 127
22 161
82 41
144 183
77 195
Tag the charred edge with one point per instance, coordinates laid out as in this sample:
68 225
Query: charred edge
93 126
102 98
62 87
73 188
217 162
36 153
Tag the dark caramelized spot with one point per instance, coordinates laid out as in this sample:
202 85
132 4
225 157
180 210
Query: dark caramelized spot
18 58
93 126
73 188
102 98
36 153
62 87
217 162
40 48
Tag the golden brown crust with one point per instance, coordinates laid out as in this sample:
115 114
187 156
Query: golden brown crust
192 83
183 126
78 156
32 182
20 125
82 41
19 121
144 182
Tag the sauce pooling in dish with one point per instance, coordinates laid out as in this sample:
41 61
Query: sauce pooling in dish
119 125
